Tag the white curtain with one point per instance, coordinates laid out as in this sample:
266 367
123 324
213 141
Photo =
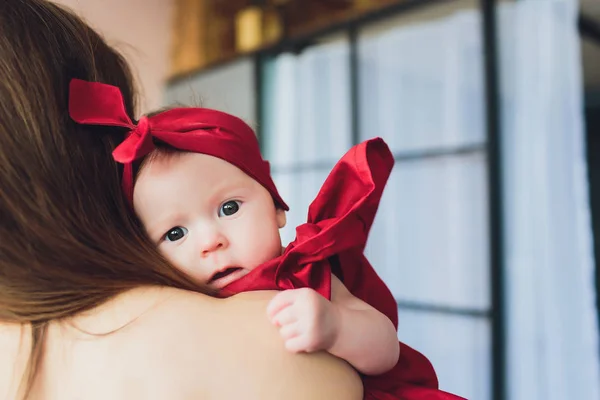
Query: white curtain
552 326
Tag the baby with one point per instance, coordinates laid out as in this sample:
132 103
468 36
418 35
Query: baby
206 198
216 223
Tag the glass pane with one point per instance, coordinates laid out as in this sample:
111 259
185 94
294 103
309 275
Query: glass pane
229 89
298 190
307 106
429 241
457 346
421 86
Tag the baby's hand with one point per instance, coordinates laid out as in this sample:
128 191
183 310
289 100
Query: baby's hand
307 321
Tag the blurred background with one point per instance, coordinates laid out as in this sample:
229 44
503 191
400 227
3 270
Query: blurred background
489 230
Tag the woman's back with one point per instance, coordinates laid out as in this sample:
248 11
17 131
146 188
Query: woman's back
181 345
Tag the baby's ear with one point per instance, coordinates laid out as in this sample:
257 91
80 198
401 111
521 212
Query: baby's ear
281 218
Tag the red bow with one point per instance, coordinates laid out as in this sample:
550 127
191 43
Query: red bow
137 145
199 130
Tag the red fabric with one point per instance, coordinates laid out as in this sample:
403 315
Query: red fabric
199 130
332 241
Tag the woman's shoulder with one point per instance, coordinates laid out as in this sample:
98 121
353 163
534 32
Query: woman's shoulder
189 320
150 319
203 347
150 342
156 310
146 343
181 315
202 335
159 343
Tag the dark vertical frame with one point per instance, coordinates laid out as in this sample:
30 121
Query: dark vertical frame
258 63
590 29
592 122
354 86
494 167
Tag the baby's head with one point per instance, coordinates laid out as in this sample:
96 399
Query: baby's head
207 217
205 195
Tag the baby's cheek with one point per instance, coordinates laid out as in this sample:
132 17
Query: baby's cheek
195 271
260 242
178 261
263 252
275 248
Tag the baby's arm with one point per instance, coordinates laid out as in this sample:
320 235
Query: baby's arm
366 338
346 327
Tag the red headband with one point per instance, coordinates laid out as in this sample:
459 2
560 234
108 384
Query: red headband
198 130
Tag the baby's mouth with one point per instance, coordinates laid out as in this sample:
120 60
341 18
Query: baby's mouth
225 277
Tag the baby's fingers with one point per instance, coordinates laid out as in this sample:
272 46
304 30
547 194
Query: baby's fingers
285 317
297 344
280 301
289 332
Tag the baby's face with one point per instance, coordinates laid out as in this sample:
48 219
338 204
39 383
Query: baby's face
207 217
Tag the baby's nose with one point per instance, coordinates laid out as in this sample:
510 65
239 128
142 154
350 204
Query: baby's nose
211 242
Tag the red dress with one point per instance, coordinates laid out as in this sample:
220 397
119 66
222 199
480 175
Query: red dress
332 241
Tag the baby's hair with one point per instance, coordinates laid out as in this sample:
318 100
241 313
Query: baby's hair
161 151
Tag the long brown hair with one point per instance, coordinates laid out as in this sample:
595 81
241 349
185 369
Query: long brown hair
68 241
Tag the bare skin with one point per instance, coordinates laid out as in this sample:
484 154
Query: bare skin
174 344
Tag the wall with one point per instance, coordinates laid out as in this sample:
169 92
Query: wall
141 30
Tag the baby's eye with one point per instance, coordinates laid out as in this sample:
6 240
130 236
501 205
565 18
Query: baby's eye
229 208
175 233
